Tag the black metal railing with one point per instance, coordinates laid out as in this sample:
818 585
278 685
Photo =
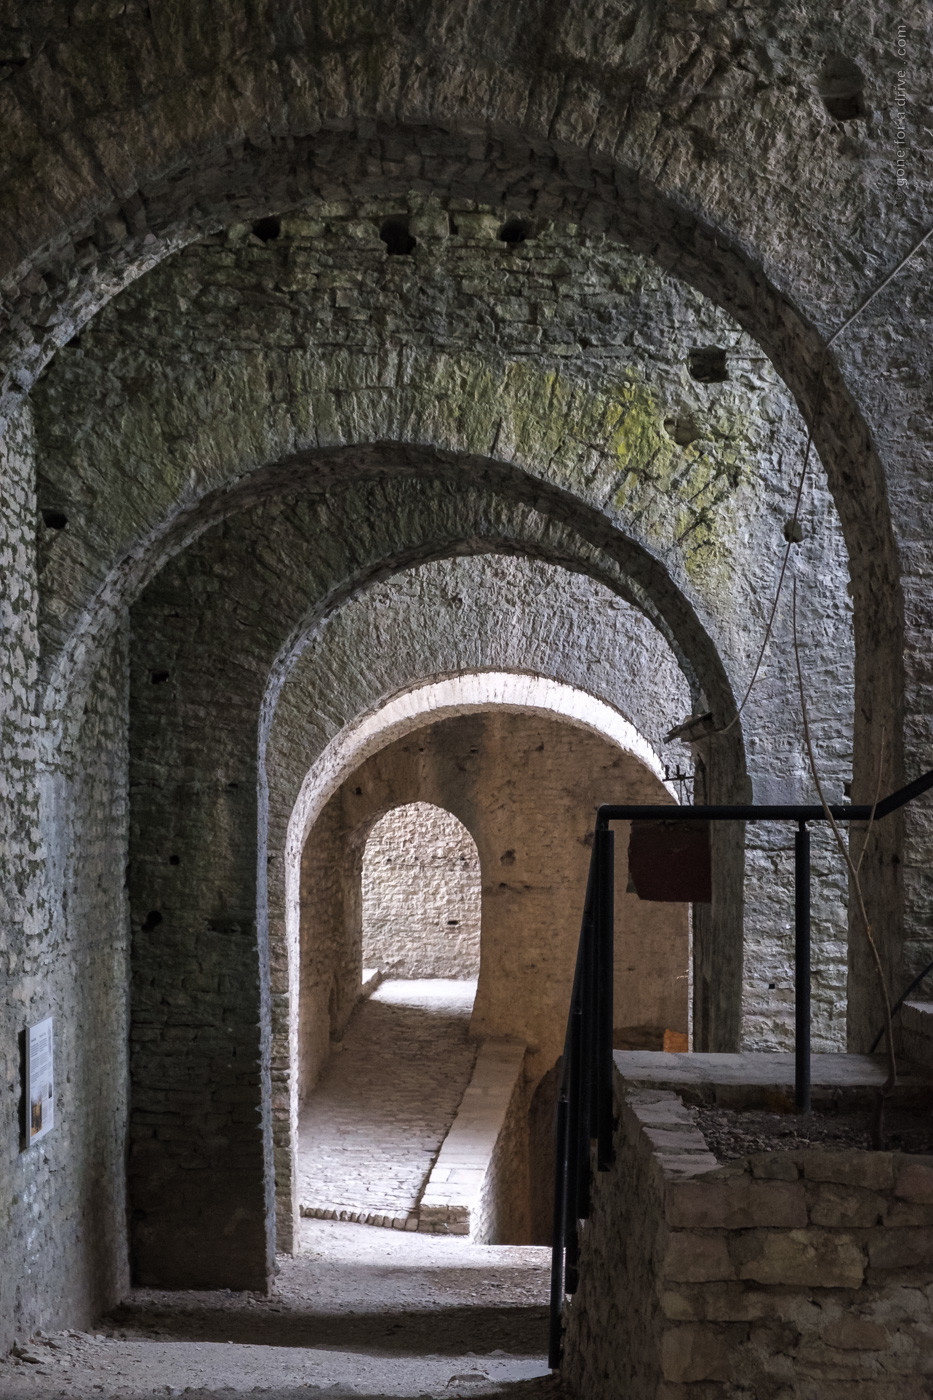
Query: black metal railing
584 1103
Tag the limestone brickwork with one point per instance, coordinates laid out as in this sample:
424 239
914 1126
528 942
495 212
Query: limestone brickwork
805 1274
478 1186
421 895
526 788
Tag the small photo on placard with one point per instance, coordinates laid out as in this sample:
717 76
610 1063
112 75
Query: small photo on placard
40 1081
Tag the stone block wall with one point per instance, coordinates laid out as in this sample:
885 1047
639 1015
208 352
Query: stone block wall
331 966
504 1212
63 951
526 788
572 356
914 1033
784 1276
421 895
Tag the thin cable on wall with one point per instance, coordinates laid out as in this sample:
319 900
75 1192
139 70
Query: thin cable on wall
792 528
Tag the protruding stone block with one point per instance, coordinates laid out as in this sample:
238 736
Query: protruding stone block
739 1203
810 1258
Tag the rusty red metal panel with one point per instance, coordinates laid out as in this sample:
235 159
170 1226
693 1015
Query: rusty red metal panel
669 862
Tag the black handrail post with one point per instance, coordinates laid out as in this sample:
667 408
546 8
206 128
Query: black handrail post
802 968
605 930
557 1245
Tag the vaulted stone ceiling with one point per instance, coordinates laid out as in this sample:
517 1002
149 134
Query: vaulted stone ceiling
228 389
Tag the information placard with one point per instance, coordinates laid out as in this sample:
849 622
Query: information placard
40 1081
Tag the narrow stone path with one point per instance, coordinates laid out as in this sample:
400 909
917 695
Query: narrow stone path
366 1313
374 1124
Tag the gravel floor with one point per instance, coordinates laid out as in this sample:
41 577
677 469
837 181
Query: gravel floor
360 1312
732 1133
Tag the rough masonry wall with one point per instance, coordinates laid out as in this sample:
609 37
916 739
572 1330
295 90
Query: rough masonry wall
702 136
804 1274
421 895
23 908
573 353
63 940
329 974
707 112
200 1136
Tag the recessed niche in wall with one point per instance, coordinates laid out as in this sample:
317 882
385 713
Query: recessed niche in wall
396 236
841 86
267 229
707 365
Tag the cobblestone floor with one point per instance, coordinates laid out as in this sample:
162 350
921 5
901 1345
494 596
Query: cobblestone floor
374 1124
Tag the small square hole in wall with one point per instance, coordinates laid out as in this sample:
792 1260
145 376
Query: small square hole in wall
707 365
396 236
841 86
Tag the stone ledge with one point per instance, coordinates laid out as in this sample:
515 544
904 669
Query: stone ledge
765 1079
451 1202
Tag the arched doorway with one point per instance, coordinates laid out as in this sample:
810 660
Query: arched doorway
421 892
390 963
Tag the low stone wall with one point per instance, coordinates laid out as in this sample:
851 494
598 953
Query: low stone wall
784 1276
478 1186
915 1032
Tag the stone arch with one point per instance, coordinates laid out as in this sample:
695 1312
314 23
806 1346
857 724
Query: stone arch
390 705
128 565
220 805
697 151
577 145
326 956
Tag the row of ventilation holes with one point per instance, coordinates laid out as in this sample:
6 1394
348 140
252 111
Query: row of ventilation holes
707 366
395 233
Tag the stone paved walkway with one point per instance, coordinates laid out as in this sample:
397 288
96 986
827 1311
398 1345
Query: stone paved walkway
375 1122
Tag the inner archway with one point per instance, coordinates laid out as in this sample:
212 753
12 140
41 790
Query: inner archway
400 1078
421 892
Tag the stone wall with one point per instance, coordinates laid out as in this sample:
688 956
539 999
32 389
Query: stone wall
421 895
702 137
63 953
329 978
914 1032
804 1274
573 355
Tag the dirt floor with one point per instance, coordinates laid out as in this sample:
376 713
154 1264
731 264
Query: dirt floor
360 1312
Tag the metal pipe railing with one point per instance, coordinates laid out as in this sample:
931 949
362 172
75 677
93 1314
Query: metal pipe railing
584 1102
